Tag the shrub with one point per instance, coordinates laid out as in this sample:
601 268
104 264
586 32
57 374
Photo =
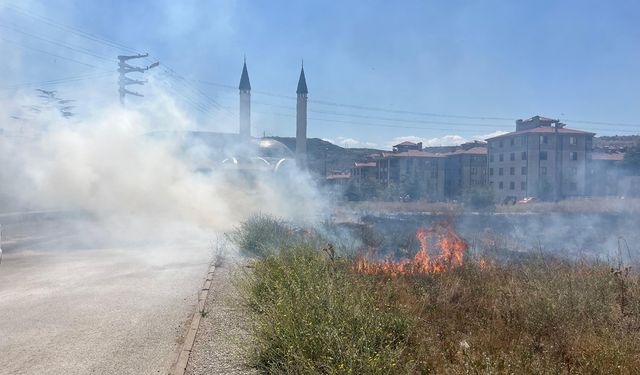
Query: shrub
263 234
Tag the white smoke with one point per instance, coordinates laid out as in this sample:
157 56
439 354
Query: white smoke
107 166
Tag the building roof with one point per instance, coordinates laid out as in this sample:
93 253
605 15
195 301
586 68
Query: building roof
302 83
365 165
339 176
543 130
406 143
478 150
613 156
245 85
539 118
411 154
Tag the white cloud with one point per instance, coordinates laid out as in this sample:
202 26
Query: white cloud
447 140
490 135
354 143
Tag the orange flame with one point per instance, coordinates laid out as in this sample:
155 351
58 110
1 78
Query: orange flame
442 236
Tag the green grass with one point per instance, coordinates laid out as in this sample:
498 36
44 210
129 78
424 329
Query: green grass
314 314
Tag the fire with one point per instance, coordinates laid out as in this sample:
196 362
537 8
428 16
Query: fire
442 237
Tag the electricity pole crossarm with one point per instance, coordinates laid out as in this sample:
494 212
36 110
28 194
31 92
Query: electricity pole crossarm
128 81
124 68
125 91
138 56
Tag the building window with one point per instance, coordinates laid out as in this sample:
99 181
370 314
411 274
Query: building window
500 144
524 140
512 185
512 171
524 155
501 157
574 155
490 171
512 141
500 185
544 139
543 171
491 158
523 185
543 155
474 170
574 171
573 140
512 157
500 172
573 186
523 170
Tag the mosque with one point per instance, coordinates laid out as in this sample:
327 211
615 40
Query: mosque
301 114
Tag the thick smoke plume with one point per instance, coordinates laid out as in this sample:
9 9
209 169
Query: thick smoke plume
111 167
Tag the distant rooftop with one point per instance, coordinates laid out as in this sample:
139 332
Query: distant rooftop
364 165
543 130
406 143
411 154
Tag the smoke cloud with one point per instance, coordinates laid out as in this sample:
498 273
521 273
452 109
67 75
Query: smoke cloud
112 166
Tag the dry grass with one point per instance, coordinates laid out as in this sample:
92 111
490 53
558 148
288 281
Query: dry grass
404 207
583 205
315 314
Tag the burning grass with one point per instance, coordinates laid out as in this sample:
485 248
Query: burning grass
315 313
442 236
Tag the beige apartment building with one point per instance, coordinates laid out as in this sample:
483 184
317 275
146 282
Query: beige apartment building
542 158
420 169
465 169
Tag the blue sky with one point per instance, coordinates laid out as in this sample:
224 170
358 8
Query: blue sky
451 63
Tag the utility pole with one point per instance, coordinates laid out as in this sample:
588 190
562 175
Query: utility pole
124 81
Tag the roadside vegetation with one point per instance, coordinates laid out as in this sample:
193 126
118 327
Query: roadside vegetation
481 203
315 313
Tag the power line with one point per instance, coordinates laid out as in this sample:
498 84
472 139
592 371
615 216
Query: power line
59 80
48 53
71 29
386 125
114 44
367 108
416 113
493 126
79 50
105 41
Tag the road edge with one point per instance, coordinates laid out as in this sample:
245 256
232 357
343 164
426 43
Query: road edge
180 365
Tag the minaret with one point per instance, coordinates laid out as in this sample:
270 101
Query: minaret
301 121
245 103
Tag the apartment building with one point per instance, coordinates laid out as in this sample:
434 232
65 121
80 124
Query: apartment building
541 158
421 170
465 169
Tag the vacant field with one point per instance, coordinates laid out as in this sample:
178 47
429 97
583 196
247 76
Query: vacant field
584 205
315 313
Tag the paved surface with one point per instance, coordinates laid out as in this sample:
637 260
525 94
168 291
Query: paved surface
82 309
224 330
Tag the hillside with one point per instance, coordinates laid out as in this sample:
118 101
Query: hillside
337 158
616 141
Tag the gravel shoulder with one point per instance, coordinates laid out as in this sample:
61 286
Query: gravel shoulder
224 330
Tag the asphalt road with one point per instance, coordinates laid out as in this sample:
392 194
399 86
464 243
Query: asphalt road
88 308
